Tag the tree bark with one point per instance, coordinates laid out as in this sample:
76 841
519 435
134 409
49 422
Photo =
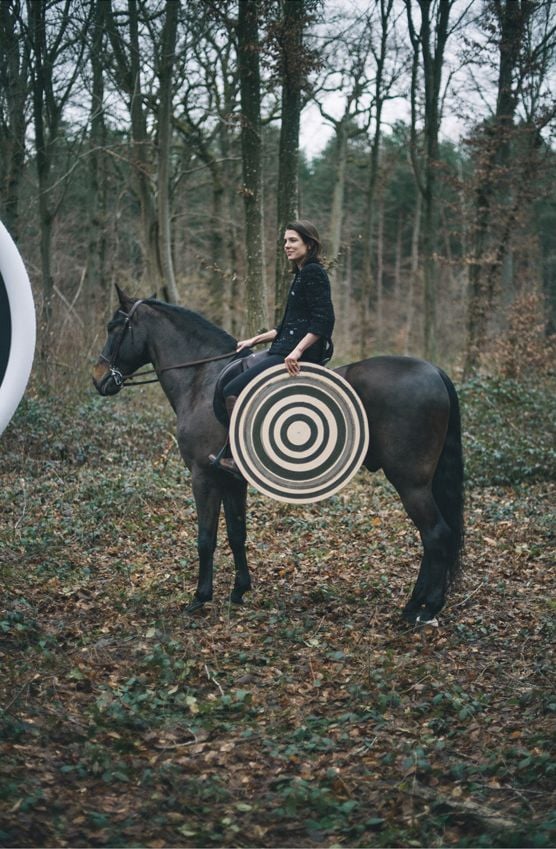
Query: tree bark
338 193
493 203
96 249
368 227
128 65
429 44
43 147
167 58
14 72
413 274
292 26
251 150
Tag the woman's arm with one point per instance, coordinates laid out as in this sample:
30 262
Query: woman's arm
316 285
292 360
260 339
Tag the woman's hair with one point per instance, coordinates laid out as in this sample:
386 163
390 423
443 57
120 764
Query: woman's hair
310 236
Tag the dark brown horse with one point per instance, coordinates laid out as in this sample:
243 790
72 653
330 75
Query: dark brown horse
414 422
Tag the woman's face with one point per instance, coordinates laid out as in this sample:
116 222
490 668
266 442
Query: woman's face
295 248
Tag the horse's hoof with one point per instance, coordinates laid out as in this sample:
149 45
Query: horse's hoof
195 606
410 615
432 623
236 596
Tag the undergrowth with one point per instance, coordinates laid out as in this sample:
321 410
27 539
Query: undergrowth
311 716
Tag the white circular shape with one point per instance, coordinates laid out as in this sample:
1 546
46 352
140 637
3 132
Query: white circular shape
23 330
280 454
299 439
298 433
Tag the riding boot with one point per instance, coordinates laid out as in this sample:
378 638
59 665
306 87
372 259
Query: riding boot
224 460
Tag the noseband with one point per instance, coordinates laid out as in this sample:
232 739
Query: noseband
121 379
115 373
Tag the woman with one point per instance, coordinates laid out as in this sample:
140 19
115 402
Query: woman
305 332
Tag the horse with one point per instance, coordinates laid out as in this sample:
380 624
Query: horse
414 423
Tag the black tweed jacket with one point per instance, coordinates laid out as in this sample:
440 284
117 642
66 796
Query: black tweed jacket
308 310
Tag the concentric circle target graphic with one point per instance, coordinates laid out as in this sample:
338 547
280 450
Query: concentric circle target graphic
299 439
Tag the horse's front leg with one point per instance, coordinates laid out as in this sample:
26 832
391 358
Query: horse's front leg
208 497
235 508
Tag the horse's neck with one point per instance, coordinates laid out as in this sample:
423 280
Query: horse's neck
182 342
181 337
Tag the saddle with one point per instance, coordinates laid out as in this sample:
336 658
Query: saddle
241 363
244 360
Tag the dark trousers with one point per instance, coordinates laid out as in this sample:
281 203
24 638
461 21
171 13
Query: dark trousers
235 386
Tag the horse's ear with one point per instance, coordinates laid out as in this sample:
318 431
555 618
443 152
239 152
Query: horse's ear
123 297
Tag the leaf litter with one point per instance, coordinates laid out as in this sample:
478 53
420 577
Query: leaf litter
311 716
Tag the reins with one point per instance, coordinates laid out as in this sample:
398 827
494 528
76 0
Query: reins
129 379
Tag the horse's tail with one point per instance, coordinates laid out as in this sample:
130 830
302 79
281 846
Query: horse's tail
447 484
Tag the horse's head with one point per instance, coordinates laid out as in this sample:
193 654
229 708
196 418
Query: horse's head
125 348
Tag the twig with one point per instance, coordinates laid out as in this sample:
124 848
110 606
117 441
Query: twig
70 307
467 597
18 694
24 509
213 679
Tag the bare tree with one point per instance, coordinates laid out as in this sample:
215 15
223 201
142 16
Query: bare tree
207 121
429 39
58 39
388 67
349 75
507 155
129 64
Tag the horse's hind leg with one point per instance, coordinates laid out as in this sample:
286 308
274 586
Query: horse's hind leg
235 497
429 592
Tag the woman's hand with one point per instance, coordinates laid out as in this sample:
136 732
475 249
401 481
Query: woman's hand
261 338
245 343
292 362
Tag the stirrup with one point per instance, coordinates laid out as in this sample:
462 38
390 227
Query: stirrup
225 464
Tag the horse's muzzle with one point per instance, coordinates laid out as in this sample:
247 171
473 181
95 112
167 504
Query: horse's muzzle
104 382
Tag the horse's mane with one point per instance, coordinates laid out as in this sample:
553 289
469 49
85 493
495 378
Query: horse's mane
194 321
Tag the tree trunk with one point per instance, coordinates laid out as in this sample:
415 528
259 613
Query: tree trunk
288 158
429 44
380 274
336 217
96 249
167 58
413 274
493 203
128 65
251 150
56 63
368 227
43 146
14 58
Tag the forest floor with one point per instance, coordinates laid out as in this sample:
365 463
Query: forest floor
311 716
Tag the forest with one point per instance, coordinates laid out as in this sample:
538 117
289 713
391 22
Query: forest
157 145
163 146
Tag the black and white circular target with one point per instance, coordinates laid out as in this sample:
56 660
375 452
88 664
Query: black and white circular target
299 439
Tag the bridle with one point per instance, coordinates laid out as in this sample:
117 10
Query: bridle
121 379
